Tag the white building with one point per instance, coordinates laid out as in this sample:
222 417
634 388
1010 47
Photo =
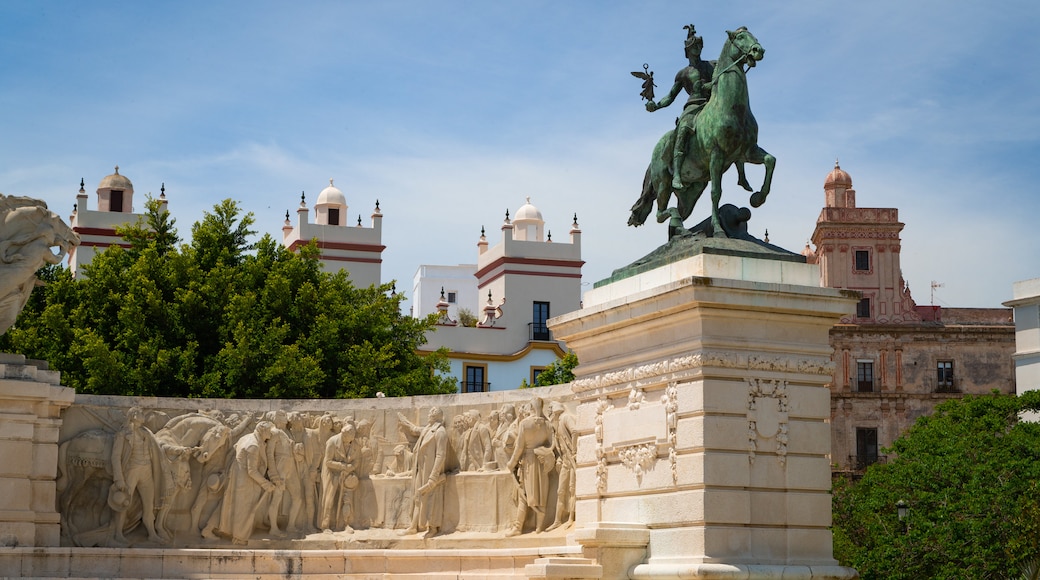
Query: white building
519 284
354 248
1026 302
457 283
97 228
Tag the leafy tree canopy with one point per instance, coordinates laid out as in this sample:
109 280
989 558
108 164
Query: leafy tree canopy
970 474
559 372
222 317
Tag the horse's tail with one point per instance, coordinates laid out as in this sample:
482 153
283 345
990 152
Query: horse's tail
645 203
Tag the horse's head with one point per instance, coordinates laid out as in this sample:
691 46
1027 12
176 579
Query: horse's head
212 441
745 48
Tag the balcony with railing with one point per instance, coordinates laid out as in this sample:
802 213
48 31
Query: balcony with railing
862 462
538 331
474 387
947 385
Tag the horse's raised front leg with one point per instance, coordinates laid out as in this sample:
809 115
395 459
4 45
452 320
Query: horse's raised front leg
741 178
717 167
760 156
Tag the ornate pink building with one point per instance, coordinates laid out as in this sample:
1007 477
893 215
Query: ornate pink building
894 360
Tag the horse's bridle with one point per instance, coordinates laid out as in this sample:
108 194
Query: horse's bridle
745 56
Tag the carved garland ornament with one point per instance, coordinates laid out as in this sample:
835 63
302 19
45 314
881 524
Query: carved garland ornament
601 454
671 407
725 359
638 458
767 416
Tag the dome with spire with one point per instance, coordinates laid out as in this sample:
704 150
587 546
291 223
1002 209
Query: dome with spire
331 195
528 224
116 181
837 178
528 212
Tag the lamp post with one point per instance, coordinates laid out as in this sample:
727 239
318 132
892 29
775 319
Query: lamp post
902 509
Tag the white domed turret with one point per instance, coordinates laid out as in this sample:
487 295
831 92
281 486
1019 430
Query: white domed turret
331 207
528 224
115 193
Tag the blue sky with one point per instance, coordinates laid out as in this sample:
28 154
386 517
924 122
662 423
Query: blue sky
449 113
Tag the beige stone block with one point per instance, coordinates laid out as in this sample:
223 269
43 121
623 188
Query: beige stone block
808 438
724 506
690 397
140 563
811 547
623 509
15 494
809 402
45 461
323 562
42 496
727 433
16 427
18 528
768 471
48 535
52 563
689 433
472 565
586 452
231 562
16 458
11 563
808 473
675 509
769 545
287 562
586 511
186 563
672 543
727 542
362 562
724 397
768 508
725 469
809 509
585 481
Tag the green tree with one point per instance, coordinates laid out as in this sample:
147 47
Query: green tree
970 474
559 372
223 317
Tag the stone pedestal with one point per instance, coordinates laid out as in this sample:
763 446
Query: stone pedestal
702 416
31 400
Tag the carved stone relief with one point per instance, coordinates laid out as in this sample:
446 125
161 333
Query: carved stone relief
209 478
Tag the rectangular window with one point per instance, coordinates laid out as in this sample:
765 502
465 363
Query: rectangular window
535 371
115 201
863 308
333 216
453 297
866 448
475 379
945 372
865 376
539 330
862 260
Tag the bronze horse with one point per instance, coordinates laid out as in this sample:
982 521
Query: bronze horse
726 134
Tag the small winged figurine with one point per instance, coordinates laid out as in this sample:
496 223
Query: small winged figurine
648 82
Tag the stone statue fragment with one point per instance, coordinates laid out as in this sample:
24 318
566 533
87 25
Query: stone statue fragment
29 232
